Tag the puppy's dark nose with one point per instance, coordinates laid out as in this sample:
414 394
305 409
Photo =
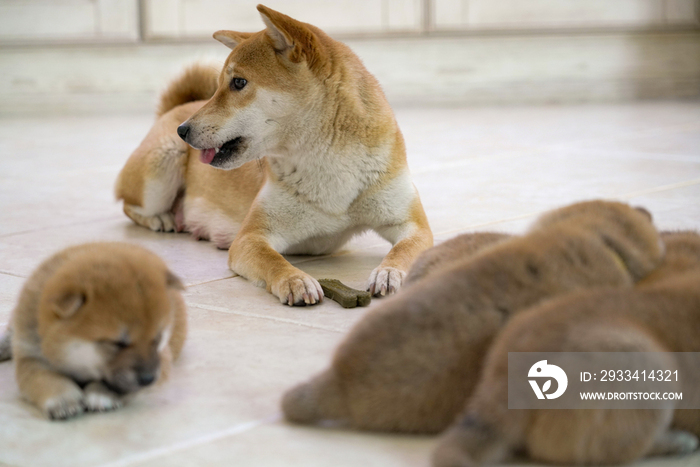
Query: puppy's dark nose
145 378
183 130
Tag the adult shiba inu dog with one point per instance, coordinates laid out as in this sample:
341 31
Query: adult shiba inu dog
311 156
94 323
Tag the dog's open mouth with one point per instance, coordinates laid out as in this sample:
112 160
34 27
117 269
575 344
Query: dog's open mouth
218 156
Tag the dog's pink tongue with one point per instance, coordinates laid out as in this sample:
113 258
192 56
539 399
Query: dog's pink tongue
207 155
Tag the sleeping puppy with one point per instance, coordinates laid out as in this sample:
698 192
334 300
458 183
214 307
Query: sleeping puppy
451 251
410 364
94 323
661 314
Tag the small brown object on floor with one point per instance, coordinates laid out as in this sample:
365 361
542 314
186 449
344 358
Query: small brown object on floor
94 323
346 296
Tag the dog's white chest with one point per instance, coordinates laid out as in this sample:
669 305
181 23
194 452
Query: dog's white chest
298 224
330 183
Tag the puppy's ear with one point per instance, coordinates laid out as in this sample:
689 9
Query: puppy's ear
173 282
645 212
292 38
231 38
68 303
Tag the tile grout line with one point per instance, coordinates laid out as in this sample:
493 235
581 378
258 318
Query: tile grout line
270 318
484 224
70 224
7 273
195 284
181 446
661 188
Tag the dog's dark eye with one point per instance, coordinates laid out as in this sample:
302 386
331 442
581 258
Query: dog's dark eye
238 83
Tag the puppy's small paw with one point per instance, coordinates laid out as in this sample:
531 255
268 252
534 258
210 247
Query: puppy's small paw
298 289
686 443
100 399
385 281
66 405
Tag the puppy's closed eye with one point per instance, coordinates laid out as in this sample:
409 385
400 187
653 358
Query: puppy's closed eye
117 345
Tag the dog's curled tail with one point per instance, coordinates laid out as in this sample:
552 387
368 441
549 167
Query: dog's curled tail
198 82
316 400
6 345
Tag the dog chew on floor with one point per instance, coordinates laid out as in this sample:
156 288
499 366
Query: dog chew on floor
661 314
311 156
94 323
411 363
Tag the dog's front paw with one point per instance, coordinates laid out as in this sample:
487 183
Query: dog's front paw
67 404
385 280
298 289
100 399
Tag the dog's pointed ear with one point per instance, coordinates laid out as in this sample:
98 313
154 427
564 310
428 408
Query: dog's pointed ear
67 303
279 28
292 38
173 282
231 38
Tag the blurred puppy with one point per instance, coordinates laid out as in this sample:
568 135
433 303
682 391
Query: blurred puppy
410 364
661 314
450 252
94 323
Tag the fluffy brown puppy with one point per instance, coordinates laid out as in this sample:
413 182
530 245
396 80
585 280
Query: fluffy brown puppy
94 323
410 364
451 251
661 314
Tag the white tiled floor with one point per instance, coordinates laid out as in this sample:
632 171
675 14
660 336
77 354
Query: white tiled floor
476 169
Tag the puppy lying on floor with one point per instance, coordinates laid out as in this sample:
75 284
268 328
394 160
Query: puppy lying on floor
661 314
450 252
410 364
94 323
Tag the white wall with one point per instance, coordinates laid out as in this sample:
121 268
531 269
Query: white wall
81 21
116 55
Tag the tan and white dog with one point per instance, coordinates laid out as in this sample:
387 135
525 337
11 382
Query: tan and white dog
311 152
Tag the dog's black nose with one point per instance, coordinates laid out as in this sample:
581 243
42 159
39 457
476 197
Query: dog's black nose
183 130
146 378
